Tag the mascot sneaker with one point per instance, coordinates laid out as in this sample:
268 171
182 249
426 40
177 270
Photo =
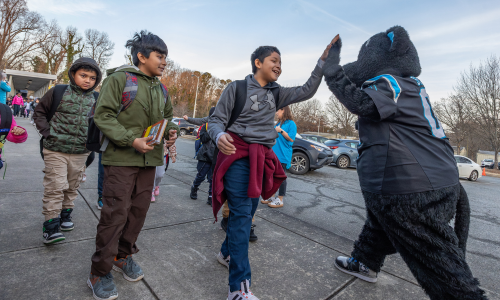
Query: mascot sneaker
129 268
66 224
222 260
243 294
51 232
103 287
355 268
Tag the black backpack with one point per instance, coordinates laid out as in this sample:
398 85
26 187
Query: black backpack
56 100
240 98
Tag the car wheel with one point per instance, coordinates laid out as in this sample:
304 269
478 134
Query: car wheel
342 162
183 132
473 176
300 163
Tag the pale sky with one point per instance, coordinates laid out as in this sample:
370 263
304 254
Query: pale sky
218 36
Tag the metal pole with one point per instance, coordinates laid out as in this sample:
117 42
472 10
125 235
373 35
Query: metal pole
319 124
195 97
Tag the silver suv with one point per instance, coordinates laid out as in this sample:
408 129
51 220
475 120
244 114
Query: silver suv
488 163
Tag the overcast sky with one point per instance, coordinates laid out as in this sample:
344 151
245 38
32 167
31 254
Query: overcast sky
218 36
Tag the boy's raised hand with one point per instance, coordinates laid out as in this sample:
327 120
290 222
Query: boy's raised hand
327 50
140 144
225 144
172 137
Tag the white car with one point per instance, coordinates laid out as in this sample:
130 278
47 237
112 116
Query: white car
488 163
467 168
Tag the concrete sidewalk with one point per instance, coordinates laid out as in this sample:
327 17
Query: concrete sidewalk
291 260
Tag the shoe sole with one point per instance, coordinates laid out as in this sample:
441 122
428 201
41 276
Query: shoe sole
117 269
98 207
54 241
265 201
367 279
67 229
95 296
222 262
253 239
275 206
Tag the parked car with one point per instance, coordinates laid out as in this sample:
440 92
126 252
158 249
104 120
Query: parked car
309 155
184 126
314 138
467 168
345 152
488 163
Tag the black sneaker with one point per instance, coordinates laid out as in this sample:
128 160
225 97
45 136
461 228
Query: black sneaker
66 224
194 192
223 224
253 237
51 232
209 200
355 268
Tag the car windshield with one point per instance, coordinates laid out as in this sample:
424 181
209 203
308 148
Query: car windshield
298 136
488 160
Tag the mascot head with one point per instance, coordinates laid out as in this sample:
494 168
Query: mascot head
390 52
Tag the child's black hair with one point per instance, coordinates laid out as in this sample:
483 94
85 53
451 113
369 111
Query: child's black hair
85 68
261 53
145 42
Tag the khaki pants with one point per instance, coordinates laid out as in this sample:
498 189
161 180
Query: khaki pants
63 175
225 211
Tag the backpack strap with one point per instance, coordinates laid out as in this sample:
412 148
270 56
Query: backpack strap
56 99
240 97
129 91
165 92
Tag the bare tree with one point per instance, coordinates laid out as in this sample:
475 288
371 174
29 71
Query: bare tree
342 120
21 32
454 113
308 115
481 87
72 44
99 47
53 53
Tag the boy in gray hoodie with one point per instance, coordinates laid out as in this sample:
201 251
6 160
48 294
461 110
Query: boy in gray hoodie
255 124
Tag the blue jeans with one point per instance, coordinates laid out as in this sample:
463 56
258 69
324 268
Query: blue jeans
204 170
100 177
242 208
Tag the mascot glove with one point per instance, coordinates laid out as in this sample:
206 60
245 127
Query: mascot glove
332 61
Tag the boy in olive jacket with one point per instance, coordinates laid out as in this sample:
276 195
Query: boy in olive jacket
129 163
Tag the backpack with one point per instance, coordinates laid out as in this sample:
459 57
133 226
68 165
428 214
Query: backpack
5 124
94 135
57 96
240 98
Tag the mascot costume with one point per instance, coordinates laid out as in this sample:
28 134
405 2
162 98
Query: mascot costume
406 168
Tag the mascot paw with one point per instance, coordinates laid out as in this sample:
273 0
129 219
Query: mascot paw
333 59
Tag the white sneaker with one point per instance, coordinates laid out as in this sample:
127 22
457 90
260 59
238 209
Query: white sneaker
268 200
222 260
276 203
243 294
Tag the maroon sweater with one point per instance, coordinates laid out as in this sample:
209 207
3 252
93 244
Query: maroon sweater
266 173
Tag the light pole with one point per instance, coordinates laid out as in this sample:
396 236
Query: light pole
196 95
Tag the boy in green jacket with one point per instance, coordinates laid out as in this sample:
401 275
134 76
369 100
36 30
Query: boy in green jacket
129 163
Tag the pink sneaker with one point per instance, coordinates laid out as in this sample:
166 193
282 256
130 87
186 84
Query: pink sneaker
157 191
153 198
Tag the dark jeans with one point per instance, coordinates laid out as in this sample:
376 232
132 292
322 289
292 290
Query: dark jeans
100 177
242 208
282 190
204 170
17 108
126 199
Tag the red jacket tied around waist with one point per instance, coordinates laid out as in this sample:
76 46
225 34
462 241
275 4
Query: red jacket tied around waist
266 173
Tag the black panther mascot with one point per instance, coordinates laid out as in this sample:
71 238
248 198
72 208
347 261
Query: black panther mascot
406 169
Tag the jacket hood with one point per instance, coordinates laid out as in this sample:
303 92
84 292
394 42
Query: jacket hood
125 68
85 61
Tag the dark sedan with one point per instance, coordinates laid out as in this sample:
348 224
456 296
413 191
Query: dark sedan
184 126
345 152
308 155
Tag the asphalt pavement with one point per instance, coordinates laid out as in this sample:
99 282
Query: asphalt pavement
293 258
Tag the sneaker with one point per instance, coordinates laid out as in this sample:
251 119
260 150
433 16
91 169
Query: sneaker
51 232
153 199
268 200
253 237
32 122
209 200
355 268
66 224
276 203
129 268
157 191
223 261
243 294
99 203
103 287
194 192
84 178
223 224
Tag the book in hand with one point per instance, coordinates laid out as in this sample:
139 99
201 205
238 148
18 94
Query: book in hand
156 131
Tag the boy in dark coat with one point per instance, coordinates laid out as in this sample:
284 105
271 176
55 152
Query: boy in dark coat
406 169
